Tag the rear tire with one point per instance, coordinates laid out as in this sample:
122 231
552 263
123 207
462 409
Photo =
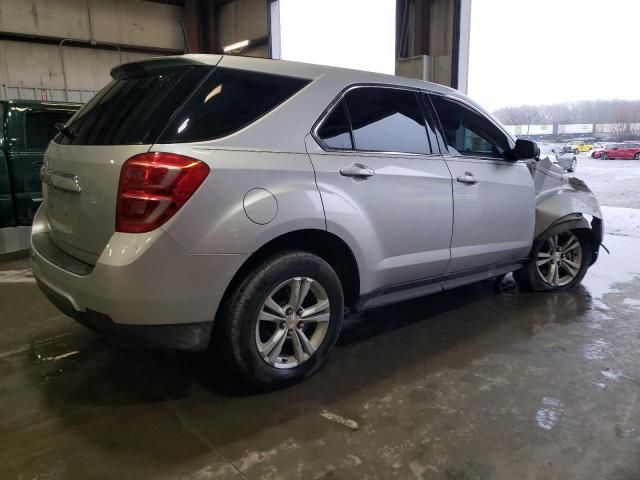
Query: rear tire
559 260
636 156
268 336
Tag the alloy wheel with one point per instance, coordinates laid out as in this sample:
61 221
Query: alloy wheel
559 260
293 322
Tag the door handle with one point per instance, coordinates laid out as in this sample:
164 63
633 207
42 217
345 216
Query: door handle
357 170
467 178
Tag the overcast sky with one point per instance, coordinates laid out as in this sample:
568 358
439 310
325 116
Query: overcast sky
337 33
549 51
522 51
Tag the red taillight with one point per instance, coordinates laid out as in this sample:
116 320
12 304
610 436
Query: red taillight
153 187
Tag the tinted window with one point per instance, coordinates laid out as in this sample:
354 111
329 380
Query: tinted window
40 127
228 101
467 132
134 108
335 131
387 120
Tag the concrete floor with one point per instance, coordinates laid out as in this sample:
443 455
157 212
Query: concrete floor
475 383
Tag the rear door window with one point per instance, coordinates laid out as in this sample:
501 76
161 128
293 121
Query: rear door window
40 127
387 120
335 131
135 107
228 101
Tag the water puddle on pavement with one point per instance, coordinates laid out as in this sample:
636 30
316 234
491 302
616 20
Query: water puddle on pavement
17 276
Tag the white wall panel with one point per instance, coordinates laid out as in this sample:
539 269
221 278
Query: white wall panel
130 22
134 22
51 18
37 65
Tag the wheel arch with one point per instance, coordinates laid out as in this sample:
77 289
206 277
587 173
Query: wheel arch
326 245
577 221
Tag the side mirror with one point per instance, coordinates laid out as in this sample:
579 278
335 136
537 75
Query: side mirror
525 149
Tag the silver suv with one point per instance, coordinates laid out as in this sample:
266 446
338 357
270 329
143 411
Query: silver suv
249 203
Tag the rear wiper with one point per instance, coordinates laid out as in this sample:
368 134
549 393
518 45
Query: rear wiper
66 131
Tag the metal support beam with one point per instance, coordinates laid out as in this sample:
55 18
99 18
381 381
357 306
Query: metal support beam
192 26
209 34
413 22
432 40
421 27
455 46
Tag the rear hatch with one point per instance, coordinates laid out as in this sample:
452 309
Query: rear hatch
82 165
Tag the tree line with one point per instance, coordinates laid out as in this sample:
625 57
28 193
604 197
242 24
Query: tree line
624 115
592 111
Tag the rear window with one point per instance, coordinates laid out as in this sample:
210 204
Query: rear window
40 127
134 109
227 101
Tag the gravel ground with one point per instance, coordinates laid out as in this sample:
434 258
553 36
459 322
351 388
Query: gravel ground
616 183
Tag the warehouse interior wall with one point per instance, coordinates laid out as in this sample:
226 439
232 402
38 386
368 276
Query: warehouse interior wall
97 34
244 20
71 45
40 65
432 40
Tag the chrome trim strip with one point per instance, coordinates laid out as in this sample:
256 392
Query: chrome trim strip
60 180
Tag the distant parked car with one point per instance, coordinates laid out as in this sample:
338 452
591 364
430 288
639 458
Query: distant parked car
564 160
621 152
607 146
26 127
578 146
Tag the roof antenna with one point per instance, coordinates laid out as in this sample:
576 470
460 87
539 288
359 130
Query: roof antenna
184 34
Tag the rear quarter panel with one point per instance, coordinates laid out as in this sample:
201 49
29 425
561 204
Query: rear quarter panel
215 219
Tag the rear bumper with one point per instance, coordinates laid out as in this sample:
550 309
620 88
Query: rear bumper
192 337
143 287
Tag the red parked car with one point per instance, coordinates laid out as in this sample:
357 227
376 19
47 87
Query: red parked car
623 152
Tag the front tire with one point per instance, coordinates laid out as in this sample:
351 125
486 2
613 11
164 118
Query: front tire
281 322
559 260
604 156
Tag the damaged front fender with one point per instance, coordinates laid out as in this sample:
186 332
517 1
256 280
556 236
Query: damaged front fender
560 199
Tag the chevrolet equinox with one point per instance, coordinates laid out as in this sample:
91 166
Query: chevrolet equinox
248 203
